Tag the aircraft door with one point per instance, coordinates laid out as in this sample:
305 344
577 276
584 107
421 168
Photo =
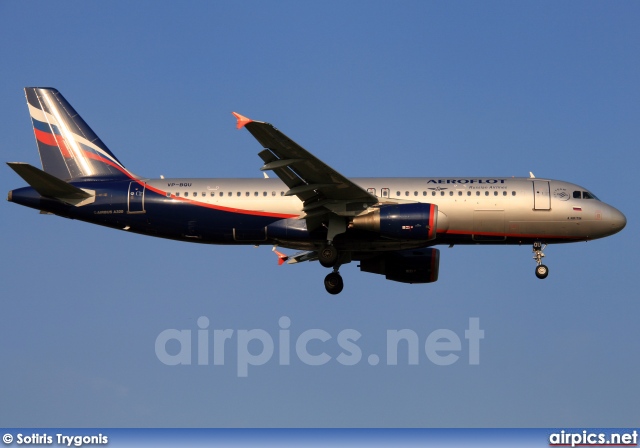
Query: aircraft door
136 197
541 196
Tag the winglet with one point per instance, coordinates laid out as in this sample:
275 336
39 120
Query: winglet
242 121
281 257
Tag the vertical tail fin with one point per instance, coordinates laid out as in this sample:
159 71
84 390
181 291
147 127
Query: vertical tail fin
68 148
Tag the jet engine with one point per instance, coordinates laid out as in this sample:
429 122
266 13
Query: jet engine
401 221
407 266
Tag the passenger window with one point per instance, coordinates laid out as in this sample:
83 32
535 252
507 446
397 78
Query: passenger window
442 193
459 193
406 193
239 194
477 193
424 193
486 193
282 193
255 193
273 193
577 195
415 193
264 193
468 193
230 194
195 194
495 193
397 193
504 193
204 195
177 194
513 193
433 193
451 193
221 194
186 193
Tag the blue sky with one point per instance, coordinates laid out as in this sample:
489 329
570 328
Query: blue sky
373 89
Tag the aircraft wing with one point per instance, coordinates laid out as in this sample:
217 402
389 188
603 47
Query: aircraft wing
322 189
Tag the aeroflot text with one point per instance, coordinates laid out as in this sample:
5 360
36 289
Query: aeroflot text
466 181
256 347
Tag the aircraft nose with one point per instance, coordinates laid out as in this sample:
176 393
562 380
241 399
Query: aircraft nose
618 220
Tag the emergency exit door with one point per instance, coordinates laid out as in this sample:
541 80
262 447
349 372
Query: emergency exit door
541 196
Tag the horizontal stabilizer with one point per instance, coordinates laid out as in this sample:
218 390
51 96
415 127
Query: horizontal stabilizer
50 186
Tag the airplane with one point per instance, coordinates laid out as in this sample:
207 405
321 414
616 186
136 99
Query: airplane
389 225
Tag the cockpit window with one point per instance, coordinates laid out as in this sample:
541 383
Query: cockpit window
584 195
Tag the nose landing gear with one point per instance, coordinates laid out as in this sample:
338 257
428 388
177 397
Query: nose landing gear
541 270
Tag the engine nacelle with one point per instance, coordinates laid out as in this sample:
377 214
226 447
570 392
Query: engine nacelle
401 221
407 266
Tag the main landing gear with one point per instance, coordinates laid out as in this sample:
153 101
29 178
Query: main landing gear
333 283
541 270
329 257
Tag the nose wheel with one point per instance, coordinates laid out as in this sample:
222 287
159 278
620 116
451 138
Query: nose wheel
541 270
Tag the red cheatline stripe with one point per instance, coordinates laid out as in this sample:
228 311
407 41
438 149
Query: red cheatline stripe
189 201
198 204
99 158
225 209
